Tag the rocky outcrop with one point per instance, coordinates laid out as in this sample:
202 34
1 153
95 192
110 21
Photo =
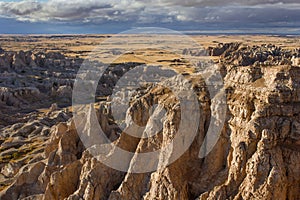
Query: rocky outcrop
18 97
263 108
22 146
22 61
221 49
27 79
264 55
35 80
256 157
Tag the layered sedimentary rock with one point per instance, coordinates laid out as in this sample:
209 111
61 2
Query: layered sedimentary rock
28 80
256 157
35 80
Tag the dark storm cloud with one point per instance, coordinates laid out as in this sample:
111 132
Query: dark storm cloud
174 12
212 3
19 8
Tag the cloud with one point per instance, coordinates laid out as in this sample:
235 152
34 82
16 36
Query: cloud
54 10
244 14
216 3
19 8
238 13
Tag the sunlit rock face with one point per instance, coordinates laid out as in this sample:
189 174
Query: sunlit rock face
256 157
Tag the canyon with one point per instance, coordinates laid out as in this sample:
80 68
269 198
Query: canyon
256 156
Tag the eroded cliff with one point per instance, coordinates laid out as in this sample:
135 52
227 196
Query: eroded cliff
256 157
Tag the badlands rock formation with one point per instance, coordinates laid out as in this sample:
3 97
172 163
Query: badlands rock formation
256 157
28 81
33 80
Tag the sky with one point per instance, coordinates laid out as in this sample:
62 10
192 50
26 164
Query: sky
114 16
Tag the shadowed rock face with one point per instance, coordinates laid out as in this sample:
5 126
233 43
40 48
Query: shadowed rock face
35 80
256 157
264 55
31 81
